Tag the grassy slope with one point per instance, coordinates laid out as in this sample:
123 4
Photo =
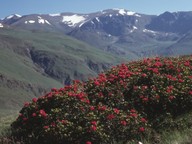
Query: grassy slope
22 79
18 71
6 119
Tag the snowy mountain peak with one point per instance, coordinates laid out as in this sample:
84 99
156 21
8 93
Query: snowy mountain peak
13 15
124 12
73 20
129 13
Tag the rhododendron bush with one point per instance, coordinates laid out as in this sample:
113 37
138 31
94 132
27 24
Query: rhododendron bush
120 105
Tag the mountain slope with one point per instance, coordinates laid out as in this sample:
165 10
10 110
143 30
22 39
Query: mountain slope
124 33
19 77
177 22
182 47
33 62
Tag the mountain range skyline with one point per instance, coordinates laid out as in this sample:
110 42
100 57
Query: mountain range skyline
150 7
117 31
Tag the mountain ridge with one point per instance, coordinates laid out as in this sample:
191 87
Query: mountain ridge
69 18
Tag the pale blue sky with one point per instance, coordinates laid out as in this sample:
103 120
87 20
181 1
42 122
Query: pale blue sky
23 7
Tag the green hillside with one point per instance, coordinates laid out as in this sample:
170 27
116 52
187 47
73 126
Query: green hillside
32 62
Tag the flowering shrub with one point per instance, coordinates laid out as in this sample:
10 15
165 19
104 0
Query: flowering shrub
119 105
154 87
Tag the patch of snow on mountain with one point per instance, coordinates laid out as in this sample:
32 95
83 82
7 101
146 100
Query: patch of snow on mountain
149 31
53 15
97 19
73 20
46 21
110 15
137 15
31 21
125 12
17 15
122 12
134 27
1 26
131 30
81 24
42 21
131 13
9 17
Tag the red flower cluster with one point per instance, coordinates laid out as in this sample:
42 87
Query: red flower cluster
124 123
141 129
88 142
110 116
42 113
